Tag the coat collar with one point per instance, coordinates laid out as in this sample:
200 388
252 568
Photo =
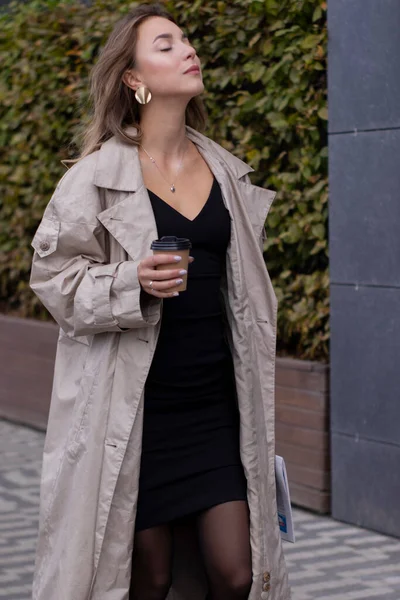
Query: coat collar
118 165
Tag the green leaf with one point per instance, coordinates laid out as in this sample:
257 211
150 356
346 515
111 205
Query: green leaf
317 14
318 231
323 113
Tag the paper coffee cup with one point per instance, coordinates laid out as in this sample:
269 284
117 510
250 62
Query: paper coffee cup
169 244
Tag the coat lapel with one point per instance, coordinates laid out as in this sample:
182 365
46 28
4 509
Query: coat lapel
131 222
257 201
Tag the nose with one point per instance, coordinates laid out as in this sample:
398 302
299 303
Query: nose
190 52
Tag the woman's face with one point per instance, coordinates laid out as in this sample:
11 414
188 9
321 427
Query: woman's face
166 62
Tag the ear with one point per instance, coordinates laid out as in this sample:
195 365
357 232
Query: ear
131 80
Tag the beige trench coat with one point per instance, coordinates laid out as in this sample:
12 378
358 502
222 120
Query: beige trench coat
97 227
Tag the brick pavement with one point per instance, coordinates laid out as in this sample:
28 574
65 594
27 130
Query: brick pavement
330 560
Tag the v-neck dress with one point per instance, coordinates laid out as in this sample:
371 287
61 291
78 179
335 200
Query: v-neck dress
190 450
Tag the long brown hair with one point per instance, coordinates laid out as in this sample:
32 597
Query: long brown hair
113 102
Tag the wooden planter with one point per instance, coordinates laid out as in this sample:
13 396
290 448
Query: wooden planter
302 430
27 350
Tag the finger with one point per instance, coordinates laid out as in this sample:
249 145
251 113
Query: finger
165 294
160 259
161 286
191 259
161 275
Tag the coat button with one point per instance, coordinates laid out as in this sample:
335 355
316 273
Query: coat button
45 246
264 596
266 587
266 577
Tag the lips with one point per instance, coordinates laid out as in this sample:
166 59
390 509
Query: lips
193 69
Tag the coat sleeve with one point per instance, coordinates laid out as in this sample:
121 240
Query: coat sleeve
85 294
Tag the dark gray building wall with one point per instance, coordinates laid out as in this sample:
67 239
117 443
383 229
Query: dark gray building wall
364 155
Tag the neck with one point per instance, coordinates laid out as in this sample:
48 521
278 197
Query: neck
163 125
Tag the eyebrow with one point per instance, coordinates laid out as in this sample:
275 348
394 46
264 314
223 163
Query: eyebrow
167 36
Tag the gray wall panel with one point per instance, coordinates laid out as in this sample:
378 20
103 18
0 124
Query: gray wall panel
364 171
365 362
364 179
366 483
363 64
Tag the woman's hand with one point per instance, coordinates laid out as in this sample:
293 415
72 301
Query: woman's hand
159 283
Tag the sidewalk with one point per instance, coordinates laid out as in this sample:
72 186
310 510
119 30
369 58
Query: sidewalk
329 561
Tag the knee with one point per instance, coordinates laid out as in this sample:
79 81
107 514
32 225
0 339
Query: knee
239 583
152 587
159 587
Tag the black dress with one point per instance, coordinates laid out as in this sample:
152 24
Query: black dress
190 450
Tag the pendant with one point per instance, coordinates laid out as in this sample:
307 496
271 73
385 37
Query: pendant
172 188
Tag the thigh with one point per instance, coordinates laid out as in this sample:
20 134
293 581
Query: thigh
224 535
151 563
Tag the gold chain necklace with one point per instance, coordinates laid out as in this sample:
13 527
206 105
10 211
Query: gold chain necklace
171 185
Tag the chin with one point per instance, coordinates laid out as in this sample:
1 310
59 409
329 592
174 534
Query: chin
197 89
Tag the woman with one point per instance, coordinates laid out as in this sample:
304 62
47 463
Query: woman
158 428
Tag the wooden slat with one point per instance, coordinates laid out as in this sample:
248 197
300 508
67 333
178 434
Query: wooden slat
304 438
308 457
310 498
317 479
297 417
300 374
306 399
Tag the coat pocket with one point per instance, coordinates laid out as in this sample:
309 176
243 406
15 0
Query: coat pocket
46 237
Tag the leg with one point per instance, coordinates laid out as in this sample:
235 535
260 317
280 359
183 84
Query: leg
151 568
225 543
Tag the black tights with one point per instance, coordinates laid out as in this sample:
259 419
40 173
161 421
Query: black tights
224 538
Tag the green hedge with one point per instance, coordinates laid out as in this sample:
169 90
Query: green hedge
265 74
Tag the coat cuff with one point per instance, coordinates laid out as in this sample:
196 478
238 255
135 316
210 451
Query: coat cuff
129 305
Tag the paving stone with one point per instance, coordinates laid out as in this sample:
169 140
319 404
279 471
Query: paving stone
329 561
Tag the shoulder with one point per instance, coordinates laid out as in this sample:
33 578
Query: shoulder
78 174
76 197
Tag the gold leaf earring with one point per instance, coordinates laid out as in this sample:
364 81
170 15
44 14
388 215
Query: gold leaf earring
143 95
